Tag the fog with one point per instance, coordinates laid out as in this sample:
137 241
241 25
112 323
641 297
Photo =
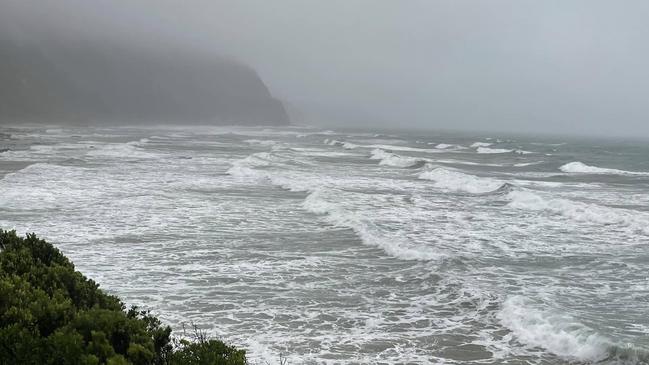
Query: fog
576 67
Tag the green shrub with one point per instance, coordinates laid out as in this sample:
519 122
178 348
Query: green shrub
52 314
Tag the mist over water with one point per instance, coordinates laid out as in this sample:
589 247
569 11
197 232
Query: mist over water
335 246
521 66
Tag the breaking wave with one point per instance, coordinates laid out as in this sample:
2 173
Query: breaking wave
563 336
524 164
580 212
261 142
247 168
348 145
316 202
582 168
522 152
481 144
556 333
457 181
443 146
452 147
392 159
403 148
487 150
345 145
254 167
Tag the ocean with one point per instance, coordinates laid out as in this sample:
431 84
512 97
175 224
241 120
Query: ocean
353 246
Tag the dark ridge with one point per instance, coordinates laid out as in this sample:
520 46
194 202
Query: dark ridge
419 164
503 189
86 82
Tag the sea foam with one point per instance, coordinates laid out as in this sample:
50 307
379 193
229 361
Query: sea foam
261 142
481 144
581 168
392 159
318 202
579 211
453 180
443 146
487 150
559 334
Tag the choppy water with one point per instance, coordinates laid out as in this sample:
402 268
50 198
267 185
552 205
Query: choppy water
353 247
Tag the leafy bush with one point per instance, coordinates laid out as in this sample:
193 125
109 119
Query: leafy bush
52 314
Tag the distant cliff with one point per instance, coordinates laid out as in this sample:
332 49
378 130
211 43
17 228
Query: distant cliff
90 83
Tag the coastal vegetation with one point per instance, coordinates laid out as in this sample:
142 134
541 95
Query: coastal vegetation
52 314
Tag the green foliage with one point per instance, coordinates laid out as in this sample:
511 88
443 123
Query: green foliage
52 314
207 352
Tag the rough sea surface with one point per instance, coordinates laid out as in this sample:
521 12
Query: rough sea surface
353 247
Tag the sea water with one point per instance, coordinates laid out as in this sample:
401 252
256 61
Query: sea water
335 246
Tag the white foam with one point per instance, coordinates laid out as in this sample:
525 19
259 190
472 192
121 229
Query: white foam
259 159
557 333
481 144
252 168
320 201
580 212
402 148
391 159
343 144
243 172
487 150
443 146
317 202
390 147
245 168
581 168
321 153
457 181
171 213
469 163
260 142
449 147
523 164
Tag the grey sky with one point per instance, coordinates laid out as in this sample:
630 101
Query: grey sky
515 65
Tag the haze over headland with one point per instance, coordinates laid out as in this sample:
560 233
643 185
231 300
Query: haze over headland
50 74
557 67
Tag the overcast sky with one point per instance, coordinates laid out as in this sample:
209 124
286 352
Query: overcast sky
564 66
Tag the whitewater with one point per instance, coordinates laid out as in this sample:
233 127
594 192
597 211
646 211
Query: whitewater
352 246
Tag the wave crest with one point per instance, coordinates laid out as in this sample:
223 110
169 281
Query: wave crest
580 212
392 159
317 202
457 181
581 168
487 150
556 333
563 336
481 144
